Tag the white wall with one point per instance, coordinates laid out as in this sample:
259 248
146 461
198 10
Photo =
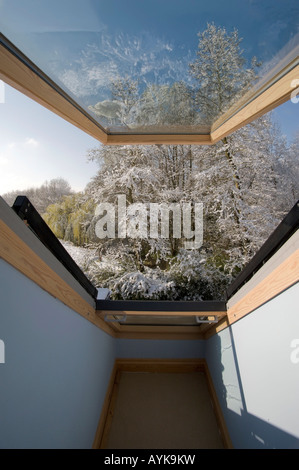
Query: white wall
56 370
255 369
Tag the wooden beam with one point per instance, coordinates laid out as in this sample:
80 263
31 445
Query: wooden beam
280 272
241 114
280 279
17 74
175 332
151 139
107 410
216 328
217 409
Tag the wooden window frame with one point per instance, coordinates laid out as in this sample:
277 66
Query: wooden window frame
20 72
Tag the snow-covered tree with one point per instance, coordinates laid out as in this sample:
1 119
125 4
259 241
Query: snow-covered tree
236 171
239 218
289 169
144 174
41 197
221 71
169 105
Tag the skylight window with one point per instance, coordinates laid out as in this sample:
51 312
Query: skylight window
131 74
192 174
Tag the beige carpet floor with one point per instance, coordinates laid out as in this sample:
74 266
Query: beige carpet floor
163 411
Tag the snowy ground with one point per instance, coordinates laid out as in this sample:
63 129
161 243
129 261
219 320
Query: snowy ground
82 256
87 259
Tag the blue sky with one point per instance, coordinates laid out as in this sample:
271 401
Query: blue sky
36 145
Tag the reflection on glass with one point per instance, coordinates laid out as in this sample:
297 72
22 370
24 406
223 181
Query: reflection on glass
135 74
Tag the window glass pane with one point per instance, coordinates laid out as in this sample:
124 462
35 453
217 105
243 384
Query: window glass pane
154 67
154 222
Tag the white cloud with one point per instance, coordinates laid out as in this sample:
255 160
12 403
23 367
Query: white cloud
30 142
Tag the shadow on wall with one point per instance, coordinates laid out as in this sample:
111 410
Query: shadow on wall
246 430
